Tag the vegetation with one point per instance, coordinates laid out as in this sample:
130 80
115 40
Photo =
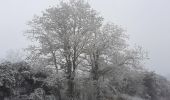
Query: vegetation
76 56
19 81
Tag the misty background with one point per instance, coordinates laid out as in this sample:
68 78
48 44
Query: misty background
147 22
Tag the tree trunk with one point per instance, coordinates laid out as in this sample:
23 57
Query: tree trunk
95 75
55 62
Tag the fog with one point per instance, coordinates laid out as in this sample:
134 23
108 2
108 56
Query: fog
146 22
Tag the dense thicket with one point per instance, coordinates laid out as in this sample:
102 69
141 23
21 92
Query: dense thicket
19 81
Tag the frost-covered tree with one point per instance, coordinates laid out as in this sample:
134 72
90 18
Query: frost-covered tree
62 33
73 38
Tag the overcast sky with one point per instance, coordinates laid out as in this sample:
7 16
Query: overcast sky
147 23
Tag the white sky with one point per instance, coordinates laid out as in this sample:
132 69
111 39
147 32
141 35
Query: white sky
146 21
